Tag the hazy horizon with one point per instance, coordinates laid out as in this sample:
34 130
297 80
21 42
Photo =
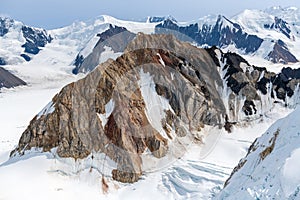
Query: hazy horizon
52 14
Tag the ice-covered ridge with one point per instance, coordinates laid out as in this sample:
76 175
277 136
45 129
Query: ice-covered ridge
270 164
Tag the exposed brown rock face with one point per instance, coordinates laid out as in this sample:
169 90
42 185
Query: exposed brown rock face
184 75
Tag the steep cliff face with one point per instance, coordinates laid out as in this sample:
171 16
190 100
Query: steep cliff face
250 91
148 100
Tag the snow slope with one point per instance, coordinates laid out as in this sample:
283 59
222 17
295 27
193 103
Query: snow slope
11 43
271 169
254 21
83 34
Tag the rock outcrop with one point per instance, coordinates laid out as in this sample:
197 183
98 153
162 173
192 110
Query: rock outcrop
14 34
5 24
35 38
8 80
281 26
156 19
281 54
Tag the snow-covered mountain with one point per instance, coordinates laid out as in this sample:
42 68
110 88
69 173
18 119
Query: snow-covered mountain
272 34
260 34
252 31
18 42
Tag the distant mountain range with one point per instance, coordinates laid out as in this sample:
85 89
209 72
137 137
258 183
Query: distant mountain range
272 34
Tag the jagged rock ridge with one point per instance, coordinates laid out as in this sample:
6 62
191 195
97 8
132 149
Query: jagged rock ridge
223 33
281 26
252 90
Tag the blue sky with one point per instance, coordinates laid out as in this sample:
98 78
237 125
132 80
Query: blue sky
57 13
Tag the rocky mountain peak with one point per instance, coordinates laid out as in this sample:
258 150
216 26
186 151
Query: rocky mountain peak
223 22
148 100
151 102
281 54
